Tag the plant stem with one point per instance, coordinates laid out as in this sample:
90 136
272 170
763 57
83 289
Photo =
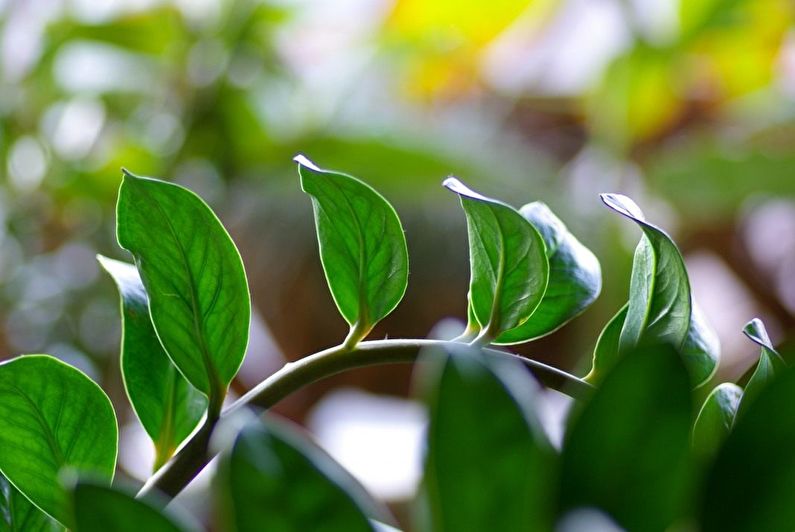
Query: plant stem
195 454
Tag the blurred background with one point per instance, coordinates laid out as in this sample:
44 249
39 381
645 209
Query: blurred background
688 107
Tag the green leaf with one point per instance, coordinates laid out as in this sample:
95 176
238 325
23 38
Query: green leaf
626 451
167 405
508 262
749 486
769 366
575 278
362 246
660 305
715 420
198 294
100 508
274 479
607 353
18 513
488 463
53 417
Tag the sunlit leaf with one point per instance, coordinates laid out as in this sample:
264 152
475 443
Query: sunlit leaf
198 294
53 418
769 366
660 308
168 407
575 278
508 262
362 246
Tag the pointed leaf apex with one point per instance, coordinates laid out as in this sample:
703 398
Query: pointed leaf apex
623 205
302 160
454 184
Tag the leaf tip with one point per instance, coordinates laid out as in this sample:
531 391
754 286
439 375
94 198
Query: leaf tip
756 332
623 205
453 184
303 160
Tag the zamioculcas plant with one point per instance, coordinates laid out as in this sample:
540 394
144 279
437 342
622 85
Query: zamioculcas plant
631 454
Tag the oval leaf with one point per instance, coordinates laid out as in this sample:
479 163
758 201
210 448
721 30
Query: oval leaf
168 407
18 513
508 262
482 414
660 305
769 366
53 417
749 485
635 428
715 420
575 278
362 246
274 479
100 508
198 295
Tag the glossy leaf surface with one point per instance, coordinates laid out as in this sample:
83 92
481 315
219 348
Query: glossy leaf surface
100 508
635 428
769 366
575 278
274 479
749 485
488 464
168 407
716 418
18 513
508 262
362 245
198 295
660 303
53 418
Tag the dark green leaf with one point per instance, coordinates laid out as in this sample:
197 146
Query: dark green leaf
167 405
660 306
101 508
627 450
607 351
749 487
362 246
274 479
770 363
193 274
509 266
575 278
53 417
488 464
18 513
715 420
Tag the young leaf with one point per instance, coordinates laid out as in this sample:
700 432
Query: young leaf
508 260
770 363
749 485
575 278
18 513
626 451
53 417
362 246
488 463
660 304
275 479
715 420
167 405
100 508
198 295
607 352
